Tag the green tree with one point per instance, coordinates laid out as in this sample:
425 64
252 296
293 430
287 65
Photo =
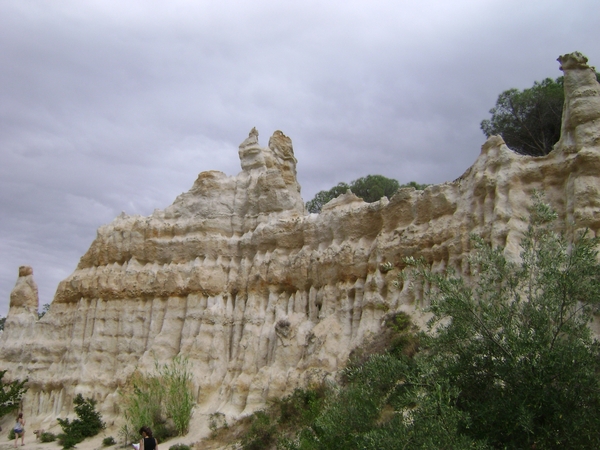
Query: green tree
370 188
323 197
508 361
516 345
373 187
529 121
10 394
45 309
88 423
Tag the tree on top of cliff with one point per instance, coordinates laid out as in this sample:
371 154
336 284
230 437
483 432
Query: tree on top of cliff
10 394
529 121
370 188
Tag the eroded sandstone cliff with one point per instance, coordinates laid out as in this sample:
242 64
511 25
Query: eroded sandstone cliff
262 297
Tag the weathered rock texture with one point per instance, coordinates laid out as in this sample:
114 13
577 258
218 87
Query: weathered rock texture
262 297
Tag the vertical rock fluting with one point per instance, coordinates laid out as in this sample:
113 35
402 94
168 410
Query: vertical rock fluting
261 297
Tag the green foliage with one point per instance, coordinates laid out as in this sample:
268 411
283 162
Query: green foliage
262 433
88 423
46 436
179 447
163 401
2 321
11 434
178 395
509 361
108 441
323 197
302 406
529 121
10 394
370 188
45 309
216 422
516 346
141 402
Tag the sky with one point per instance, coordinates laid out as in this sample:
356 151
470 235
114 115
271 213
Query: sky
117 105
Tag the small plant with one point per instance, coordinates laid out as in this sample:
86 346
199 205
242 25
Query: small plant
217 421
108 441
47 437
262 433
180 447
11 434
386 267
88 424
302 406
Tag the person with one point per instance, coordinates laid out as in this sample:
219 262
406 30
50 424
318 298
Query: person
147 442
20 429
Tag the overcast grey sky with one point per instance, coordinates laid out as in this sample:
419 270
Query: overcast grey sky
110 106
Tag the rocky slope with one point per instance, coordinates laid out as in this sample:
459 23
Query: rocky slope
262 297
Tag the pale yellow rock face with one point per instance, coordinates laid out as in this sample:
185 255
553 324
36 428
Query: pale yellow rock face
262 297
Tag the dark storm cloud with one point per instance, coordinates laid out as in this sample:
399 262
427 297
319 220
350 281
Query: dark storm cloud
108 106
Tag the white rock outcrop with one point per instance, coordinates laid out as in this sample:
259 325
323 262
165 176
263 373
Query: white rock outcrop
261 297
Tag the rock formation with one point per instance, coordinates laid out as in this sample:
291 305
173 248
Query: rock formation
24 304
262 297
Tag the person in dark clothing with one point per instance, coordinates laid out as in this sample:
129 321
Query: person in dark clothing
147 442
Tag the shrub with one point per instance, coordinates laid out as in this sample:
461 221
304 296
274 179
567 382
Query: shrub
10 394
177 393
179 447
217 421
162 400
11 434
302 406
89 423
142 405
509 360
262 432
47 437
108 441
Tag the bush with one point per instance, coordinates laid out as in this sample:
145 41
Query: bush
179 447
302 406
177 393
47 437
108 441
509 360
89 423
10 394
262 432
162 400
11 434
216 422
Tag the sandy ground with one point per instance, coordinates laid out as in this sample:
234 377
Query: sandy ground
198 430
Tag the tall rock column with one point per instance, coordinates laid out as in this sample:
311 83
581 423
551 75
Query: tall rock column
24 303
580 134
582 104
